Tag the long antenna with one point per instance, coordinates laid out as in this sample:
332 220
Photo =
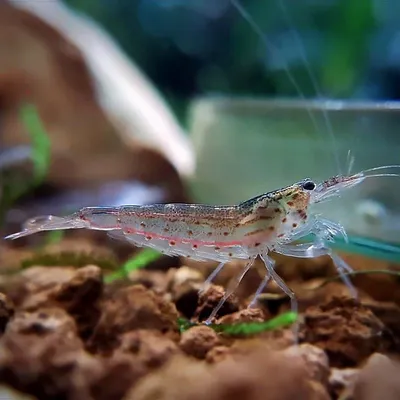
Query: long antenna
267 43
303 55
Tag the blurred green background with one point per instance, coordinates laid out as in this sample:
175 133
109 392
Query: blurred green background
196 47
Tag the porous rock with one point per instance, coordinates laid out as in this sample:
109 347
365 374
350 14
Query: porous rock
316 360
6 311
379 379
78 291
132 308
209 299
346 330
148 348
249 377
198 341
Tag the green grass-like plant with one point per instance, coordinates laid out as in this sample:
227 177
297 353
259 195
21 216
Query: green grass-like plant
140 260
69 259
14 187
246 328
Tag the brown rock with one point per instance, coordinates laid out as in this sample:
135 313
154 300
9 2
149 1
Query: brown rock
341 381
184 285
49 319
379 379
217 354
388 313
246 315
41 354
198 341
347 331
251 377
76 290
6 312
118 375
150 348
179 277
33 287
128 309
316 360
209 299
154 280
80 297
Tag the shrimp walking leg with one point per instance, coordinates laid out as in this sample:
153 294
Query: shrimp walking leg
230 290
270 265
259 290
344 268
211 277
317 249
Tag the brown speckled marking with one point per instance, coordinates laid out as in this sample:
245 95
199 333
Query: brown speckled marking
290 203
294 225
266 217
142 224
190 233
148 237
172 243
284 220
254 232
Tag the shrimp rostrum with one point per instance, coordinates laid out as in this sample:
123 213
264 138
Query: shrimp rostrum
272 221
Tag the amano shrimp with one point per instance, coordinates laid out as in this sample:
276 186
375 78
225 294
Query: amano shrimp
269 222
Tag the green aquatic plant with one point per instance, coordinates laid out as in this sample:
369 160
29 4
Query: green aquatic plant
252 328
54 237
69 259
138 261
41 144
245 328
15 186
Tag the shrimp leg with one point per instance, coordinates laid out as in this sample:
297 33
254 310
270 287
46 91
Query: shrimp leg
259 290
211 277
230 290
318 249
270 265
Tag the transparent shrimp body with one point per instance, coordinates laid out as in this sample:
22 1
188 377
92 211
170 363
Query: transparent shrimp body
269 222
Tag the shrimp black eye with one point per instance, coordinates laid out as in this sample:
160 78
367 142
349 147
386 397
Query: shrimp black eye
309 185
